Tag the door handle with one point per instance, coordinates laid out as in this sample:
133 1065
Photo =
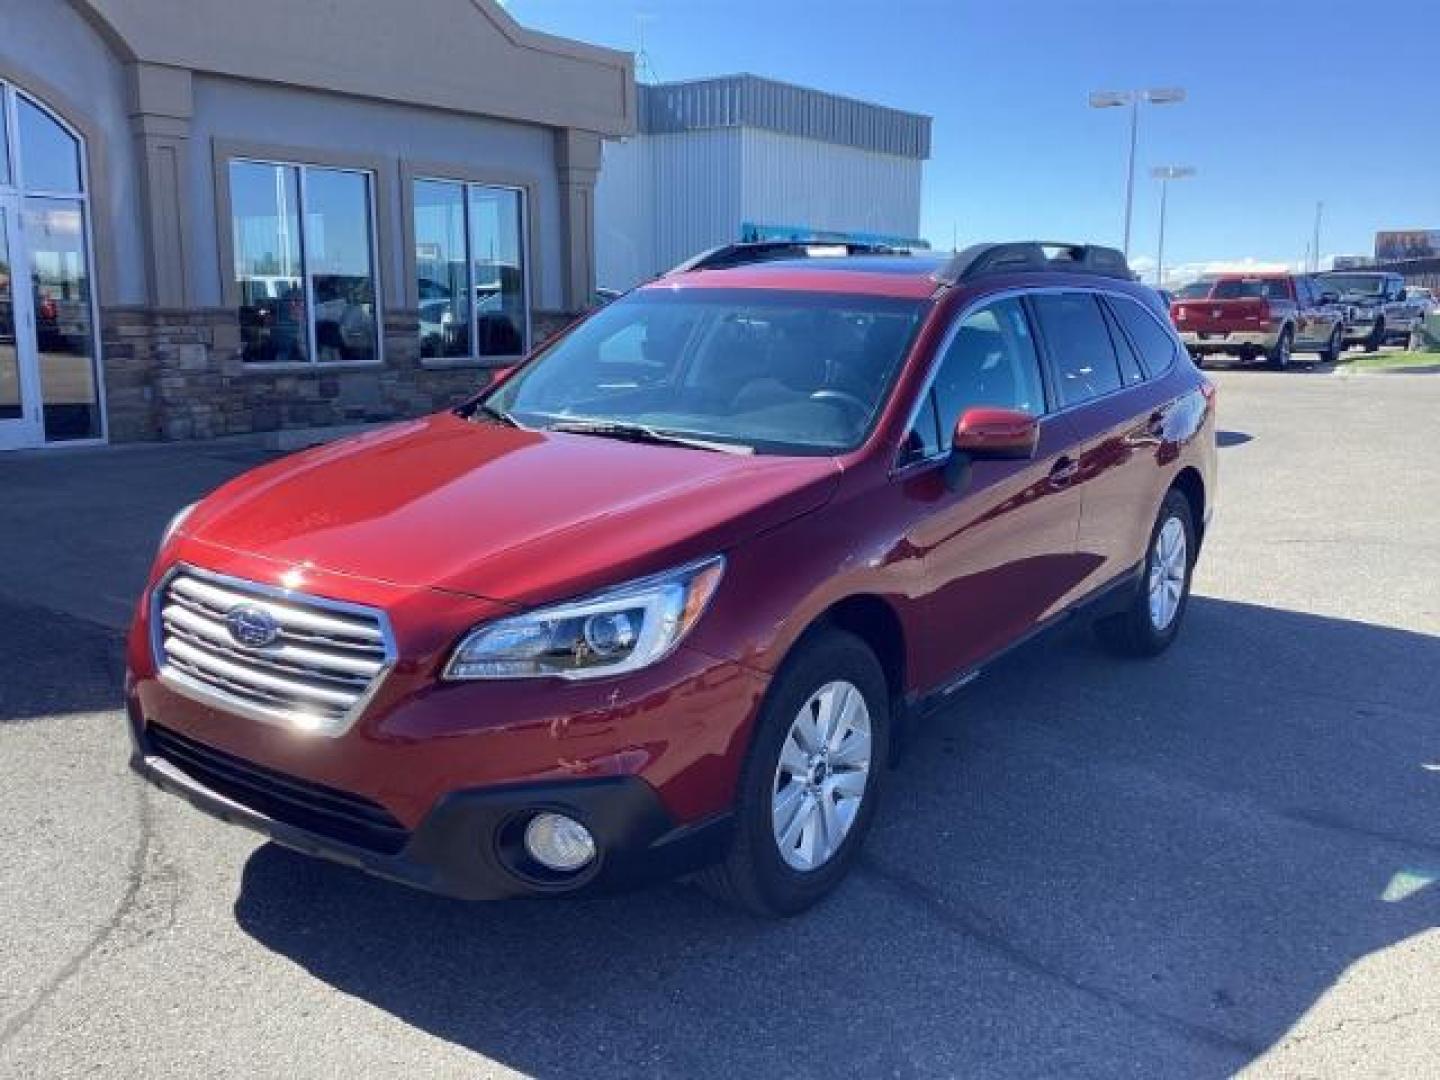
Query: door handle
1063 472
1155 426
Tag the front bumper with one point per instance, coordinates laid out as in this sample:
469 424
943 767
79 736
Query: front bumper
1218 341
468 846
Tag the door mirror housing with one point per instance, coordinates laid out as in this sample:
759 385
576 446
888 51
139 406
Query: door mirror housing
1329 298
1404 294
989 433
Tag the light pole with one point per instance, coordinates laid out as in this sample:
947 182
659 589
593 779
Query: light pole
1166 173
1110 99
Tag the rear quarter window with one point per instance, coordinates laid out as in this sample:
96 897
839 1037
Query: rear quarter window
1154 344
1081 352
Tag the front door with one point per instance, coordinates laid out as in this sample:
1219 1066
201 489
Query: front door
20 423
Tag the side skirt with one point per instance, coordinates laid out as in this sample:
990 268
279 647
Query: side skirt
1109 599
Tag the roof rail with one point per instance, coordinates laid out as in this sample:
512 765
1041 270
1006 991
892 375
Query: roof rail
759 251
1030 256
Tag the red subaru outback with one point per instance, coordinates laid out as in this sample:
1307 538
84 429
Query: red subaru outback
662 600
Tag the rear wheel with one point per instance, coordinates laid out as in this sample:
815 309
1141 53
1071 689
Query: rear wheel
1152 619
1377 336
808 790
1279 354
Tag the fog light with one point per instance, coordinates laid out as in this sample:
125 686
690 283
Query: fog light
559 843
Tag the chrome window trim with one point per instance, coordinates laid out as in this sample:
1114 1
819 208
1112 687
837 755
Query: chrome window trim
207 695
902 469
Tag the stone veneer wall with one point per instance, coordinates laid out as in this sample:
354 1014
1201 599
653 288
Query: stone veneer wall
174 375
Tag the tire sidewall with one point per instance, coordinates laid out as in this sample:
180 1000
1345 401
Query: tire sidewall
1177 506
825 657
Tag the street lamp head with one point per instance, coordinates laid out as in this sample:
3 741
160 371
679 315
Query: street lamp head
1170 95
1110 99
1172 172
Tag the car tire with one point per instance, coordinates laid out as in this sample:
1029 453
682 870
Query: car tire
1377 336
1151 620
761 872
1279 355
1331 353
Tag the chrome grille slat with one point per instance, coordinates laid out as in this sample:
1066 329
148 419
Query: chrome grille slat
287 634
325 663
283 656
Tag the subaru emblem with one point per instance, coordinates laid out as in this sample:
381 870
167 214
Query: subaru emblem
252 626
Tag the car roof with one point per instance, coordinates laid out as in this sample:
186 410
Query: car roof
903 276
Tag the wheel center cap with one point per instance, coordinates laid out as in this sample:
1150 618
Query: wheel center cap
819 770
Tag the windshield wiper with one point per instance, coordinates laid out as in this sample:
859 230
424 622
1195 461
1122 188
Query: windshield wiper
494 415
610 429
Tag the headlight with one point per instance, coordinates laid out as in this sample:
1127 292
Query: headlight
609 633
175 523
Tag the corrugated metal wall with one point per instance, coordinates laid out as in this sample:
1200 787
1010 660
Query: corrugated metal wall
664 197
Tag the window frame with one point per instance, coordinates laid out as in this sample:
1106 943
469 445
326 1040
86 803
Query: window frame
1176 346
901 468
225 152
467 176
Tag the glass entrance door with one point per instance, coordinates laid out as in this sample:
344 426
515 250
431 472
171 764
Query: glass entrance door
20 423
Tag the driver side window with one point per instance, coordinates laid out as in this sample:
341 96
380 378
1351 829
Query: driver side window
991 360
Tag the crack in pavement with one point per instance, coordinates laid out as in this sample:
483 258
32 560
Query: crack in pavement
135 878
920 896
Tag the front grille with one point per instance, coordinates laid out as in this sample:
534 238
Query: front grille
327 812
325 660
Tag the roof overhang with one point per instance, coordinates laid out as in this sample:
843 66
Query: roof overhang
466 56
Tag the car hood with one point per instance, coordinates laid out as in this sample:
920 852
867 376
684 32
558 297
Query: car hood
505 514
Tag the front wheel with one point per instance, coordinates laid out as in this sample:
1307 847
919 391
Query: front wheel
1331 352
1279 354
808 790
1152 620
1377 336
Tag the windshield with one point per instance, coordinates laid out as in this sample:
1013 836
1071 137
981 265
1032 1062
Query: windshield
1196 290
1250 289
775 372
1353 284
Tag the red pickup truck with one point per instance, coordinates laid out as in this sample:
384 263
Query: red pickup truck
1269 315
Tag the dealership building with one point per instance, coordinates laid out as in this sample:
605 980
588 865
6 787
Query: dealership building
742 157
219 217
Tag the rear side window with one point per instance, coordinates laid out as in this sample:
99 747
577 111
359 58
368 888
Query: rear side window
1082 354
1153 343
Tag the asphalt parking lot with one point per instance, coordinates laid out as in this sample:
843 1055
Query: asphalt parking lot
1220 860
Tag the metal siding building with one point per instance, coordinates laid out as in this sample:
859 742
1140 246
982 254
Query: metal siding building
714 156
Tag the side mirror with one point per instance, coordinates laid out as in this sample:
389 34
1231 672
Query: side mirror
989 433
1404 295
1329 298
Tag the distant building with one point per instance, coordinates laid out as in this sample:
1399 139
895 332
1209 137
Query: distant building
1397 244
741 157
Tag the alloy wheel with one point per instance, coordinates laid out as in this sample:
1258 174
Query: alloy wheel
1168 564
821 778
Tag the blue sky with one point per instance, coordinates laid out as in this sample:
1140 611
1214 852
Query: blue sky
1290 103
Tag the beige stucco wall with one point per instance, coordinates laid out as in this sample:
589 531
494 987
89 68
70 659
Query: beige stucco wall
465 55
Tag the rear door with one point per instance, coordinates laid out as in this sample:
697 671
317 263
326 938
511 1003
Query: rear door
1116 412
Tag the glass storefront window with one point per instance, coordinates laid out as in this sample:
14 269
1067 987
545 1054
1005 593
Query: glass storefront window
499 271
304 260
11 403
441 269
51 155
4 143
269 270
470 242
60 283
338 256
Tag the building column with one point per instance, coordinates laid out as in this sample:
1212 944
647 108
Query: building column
577 160
161 106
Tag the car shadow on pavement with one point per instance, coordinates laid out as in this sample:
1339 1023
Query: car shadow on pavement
57 666
1084 867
